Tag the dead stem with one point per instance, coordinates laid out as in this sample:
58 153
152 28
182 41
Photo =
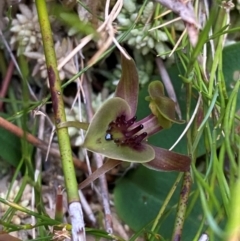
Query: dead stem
106 26
37 142
6 82
99 162
38 167
104 194
182 206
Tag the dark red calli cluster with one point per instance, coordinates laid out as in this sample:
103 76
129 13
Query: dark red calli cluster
126 135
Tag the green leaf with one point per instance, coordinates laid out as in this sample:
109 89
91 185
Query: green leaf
231 66
139 196
10 148
95 139
128 85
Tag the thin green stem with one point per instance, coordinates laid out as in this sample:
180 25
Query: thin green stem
29 212
212 222
165 203
57 102
215 64
228 123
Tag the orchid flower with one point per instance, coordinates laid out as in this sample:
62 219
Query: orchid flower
115 132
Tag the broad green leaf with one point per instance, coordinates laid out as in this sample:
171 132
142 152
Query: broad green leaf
127 87
10 147
139 196
231 66
95 139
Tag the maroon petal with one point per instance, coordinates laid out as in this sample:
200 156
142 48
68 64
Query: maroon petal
166 160
128 86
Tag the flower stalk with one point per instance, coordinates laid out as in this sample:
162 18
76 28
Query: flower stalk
59 116
57 102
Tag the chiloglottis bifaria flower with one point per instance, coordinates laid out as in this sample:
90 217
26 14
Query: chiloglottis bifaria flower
115 132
